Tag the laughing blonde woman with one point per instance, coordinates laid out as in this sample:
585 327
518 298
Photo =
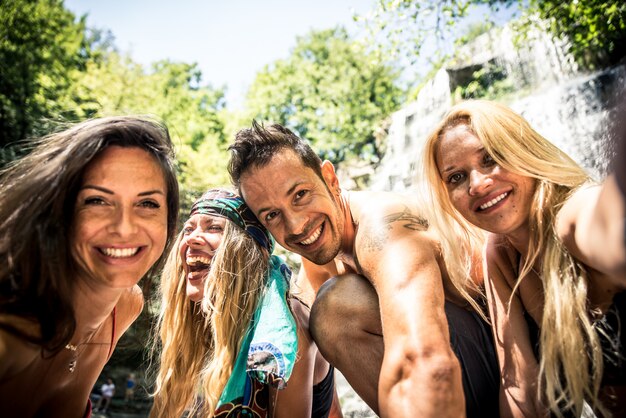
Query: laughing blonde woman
228 328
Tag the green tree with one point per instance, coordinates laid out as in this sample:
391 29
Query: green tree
172 92
331 91
596 28
41 50
417 32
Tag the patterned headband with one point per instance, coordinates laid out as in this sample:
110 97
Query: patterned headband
230 206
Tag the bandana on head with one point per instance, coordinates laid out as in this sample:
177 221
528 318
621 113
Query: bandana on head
228 205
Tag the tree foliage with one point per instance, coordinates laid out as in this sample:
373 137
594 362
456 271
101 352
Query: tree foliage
416 32
53 71
41 50
172 93
595 28
331 91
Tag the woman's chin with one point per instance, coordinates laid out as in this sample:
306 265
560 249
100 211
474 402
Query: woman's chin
194 293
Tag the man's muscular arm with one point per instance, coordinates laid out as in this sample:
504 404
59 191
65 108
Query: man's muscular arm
420 375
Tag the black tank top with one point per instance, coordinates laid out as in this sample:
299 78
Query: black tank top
612 335
323 395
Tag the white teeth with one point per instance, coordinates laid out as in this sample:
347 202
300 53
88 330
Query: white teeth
197 260
313 237
120 252
493 201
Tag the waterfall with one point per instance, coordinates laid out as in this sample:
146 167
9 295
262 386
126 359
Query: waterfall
572 110
409 126
577 116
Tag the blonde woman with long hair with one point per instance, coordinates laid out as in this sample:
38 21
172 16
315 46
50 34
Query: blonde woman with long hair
230 333
555 310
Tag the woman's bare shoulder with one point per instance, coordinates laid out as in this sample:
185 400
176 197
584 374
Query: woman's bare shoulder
501 258
128 308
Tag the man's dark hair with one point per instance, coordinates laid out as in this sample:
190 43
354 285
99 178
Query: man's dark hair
255 147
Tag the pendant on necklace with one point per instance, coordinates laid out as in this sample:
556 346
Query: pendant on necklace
72 364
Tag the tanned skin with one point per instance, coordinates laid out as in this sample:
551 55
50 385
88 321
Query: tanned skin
376 245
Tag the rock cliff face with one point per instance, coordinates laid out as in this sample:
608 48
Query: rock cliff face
571 109
533 60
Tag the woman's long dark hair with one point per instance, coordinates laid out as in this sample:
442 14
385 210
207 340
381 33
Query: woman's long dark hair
37 199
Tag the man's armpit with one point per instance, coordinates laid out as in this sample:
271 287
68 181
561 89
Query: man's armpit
408 220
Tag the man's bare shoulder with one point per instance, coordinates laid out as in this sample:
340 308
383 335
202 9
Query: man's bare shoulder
391 231
376 209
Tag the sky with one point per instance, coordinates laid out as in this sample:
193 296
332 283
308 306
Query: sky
230 40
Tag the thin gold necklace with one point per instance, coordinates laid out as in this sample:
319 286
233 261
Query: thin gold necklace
74 349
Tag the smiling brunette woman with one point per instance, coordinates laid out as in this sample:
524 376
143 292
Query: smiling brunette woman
83 217
555 310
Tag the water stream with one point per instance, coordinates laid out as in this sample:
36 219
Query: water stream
572 110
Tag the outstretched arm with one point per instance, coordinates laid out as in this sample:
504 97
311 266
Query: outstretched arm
420 374
15 353
591 225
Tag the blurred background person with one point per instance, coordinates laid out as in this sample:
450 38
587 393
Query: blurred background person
129 395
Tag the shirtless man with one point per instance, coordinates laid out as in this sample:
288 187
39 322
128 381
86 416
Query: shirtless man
381 315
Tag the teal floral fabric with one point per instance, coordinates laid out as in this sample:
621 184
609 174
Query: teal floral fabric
268 352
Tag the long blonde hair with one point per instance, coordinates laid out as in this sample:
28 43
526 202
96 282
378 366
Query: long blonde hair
200 342
567 376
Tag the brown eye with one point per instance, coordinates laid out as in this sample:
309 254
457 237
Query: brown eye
270 216
488 160
456 178
94 201
151 204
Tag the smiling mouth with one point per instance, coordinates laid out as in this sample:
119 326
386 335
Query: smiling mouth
314 237
493 201
197 264
119 252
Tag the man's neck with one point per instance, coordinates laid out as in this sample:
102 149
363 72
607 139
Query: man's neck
346 252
